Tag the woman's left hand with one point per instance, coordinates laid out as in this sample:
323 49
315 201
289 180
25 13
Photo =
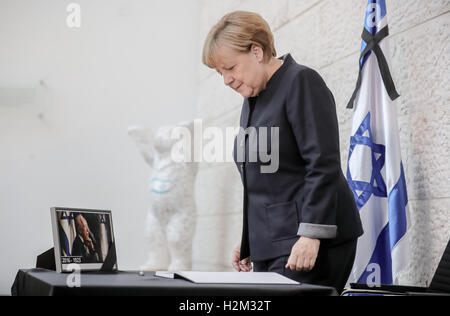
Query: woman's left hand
303 254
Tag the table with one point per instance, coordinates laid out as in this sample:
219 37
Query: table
44 282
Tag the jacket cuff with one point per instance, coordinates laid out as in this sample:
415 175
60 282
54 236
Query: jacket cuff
317 231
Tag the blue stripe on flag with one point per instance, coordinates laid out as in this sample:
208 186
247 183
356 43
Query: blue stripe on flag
398 198
381 256
391 233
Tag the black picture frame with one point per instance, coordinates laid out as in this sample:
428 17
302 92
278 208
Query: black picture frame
83 239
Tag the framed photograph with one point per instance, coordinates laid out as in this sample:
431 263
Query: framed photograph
83 237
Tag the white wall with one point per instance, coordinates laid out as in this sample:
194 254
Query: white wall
325 35
67 97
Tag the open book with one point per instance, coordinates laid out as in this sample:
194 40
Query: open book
228 277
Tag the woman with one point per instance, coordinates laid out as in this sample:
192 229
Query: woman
301 220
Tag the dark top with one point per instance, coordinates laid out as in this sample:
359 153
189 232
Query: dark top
89 255
304 192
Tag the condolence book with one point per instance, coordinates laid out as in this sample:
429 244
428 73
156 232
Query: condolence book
228 277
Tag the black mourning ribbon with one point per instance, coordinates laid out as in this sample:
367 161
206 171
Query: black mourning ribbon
110 260
372 45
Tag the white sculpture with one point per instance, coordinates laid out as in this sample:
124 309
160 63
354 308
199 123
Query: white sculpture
171 218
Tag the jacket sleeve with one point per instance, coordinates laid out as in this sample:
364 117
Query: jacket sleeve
311 112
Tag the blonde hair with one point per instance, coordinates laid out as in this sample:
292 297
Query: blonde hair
239 30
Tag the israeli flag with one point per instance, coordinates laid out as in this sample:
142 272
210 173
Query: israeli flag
68 233
104 245
375 170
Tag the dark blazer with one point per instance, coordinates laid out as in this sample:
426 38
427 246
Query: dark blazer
81 250
305 193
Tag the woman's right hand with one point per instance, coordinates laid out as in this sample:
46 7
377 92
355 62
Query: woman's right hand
244 265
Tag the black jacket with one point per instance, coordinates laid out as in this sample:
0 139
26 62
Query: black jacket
79 249
305 193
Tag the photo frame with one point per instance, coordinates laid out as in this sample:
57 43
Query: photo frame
84 237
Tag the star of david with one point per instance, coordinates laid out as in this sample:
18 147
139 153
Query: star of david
376 186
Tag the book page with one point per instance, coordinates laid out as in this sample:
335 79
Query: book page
165 274
235 277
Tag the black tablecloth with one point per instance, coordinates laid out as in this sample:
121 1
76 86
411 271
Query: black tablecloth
46 282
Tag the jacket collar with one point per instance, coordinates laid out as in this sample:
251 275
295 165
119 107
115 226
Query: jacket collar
275 79
271 85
